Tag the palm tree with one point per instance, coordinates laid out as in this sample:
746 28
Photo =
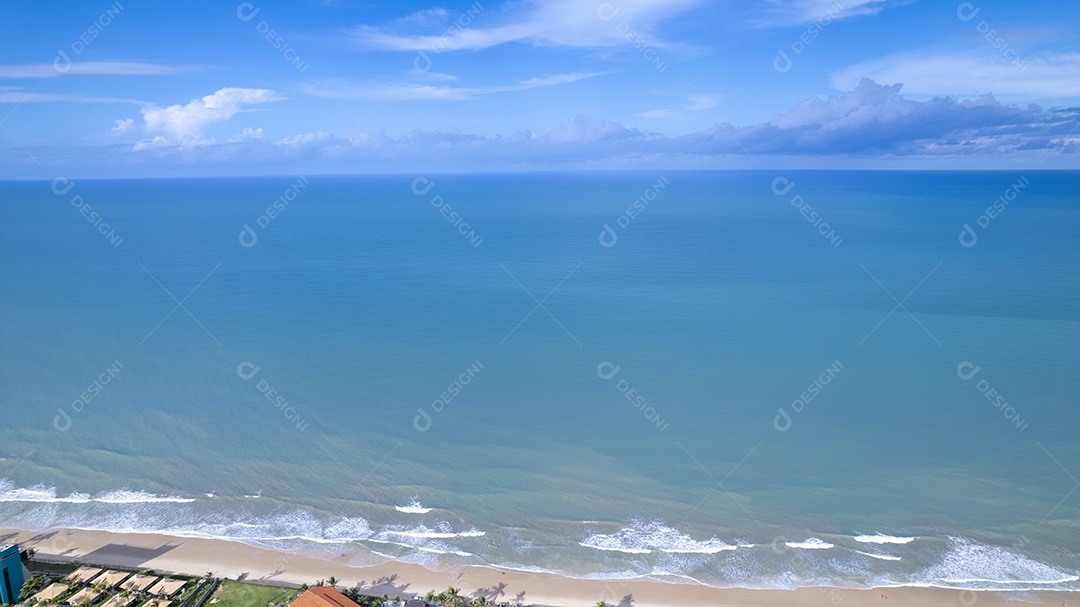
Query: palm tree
332 581
453 597
602 603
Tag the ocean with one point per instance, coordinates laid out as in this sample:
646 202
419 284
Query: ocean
741 379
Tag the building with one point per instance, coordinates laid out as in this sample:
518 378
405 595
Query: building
12 574
322 596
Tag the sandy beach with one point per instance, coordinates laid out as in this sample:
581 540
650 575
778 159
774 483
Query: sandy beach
234 560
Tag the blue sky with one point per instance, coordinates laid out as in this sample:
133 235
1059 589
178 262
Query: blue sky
340 86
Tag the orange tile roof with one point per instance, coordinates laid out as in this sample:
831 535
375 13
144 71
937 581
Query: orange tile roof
322 596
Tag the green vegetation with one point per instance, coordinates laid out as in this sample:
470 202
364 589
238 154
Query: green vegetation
33 585
240 594
52 569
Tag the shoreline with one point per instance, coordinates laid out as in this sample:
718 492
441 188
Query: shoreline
233 560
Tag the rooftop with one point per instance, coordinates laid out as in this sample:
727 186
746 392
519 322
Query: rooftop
322 596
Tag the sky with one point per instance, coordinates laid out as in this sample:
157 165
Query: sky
155 89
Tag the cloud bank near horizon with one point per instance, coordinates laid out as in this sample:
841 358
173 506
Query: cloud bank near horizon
871 121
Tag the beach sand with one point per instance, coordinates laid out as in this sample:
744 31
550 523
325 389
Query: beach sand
196 556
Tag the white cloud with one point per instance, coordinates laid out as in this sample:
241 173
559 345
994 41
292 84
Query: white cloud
539 22
657 114
182 122
304 139
94 68
429 75
19 96
776 13
871 122
149 144
126 125
407 91
972 72
248 134
700 102
695 103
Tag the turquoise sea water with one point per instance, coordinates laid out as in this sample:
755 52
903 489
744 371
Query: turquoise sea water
750 379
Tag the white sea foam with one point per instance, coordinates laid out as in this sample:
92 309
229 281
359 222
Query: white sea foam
124 496
414 507
598 546
880 538
47 495
971 564
884 557
429 547
438 551
442 530
810 544
643 538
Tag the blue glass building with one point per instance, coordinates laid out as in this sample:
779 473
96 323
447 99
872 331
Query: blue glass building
11 574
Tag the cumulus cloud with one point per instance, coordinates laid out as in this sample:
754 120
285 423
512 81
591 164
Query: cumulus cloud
876 119
304 139
126 125
181 122
248 134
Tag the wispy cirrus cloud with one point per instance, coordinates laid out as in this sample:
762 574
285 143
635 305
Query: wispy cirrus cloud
971 72
19 96
95 68
569 23
411 91
782 13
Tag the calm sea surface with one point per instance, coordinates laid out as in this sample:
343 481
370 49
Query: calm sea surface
736 378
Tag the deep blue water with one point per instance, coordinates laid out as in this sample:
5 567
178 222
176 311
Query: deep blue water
720 304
